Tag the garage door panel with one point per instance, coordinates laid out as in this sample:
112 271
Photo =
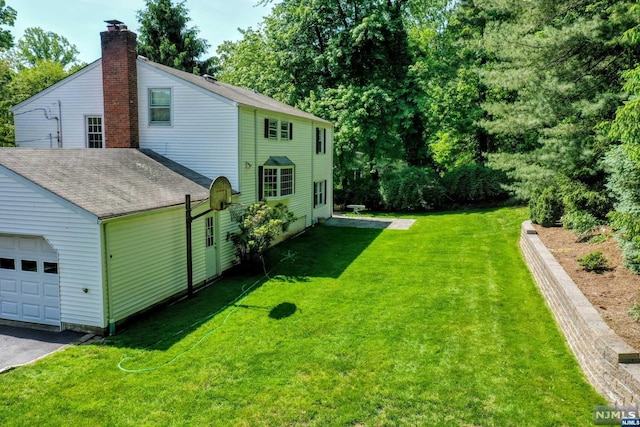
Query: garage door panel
30 289
8 286
51 290
52 314
31 312
7 242
9 309
29 286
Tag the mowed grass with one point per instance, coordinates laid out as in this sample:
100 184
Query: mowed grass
440 325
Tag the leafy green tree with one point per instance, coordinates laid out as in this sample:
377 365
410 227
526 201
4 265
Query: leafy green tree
37 45
349 62
164 37
7 17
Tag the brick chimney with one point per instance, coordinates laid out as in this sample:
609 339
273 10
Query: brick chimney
120 86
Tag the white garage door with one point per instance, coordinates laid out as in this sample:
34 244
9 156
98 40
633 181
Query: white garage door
29 286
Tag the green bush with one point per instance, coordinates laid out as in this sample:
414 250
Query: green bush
475 183
546 207
624 184
582 223
634 312
578 197
411 188
594 261
258 227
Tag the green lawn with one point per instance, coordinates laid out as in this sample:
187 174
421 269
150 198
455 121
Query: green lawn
440 325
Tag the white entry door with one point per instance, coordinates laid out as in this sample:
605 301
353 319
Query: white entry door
211 246
29 284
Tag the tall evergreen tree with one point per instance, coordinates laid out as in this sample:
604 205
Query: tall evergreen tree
555 77
165 38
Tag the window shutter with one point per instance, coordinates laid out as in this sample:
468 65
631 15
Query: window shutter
266 128
260 179
324 142
317 140
290 130
325 191
315 195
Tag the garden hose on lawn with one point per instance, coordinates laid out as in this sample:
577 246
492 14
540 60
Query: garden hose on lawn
238 299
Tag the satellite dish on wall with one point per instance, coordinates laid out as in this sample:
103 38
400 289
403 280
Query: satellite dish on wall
220 194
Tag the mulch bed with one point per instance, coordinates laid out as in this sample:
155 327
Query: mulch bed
612 292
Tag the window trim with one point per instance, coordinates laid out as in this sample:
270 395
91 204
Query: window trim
209 232
278 177
88 133
168 106
321 140
319 193
274 131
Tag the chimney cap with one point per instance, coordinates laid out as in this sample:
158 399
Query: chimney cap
115 24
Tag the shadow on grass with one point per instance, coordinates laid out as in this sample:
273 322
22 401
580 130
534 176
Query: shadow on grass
283 310
319 252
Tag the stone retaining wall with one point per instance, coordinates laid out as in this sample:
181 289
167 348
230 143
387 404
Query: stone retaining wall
609 363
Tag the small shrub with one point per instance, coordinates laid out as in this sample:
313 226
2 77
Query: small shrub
546 208
411 188
594 261
598 238
578 197
582 223
258 227
634 312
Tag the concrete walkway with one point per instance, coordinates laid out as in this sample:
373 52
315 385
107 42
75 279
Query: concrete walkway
21 346
368 222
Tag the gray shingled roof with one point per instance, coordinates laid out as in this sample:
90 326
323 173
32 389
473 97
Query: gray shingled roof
104 182
234 93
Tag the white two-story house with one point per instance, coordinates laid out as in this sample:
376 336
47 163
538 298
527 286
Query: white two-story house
92 199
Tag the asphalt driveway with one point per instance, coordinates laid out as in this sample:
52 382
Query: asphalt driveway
19 346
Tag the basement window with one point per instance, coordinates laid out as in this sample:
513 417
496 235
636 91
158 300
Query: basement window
160 107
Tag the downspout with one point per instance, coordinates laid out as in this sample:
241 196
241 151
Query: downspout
255 155
105 279
59 124
313 182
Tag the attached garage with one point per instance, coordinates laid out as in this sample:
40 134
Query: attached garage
89 238
29 284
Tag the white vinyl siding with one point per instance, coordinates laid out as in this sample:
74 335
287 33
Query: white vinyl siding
73 234
146 259
203 135
66 104
256 151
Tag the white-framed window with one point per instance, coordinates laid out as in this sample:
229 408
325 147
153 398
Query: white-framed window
271 128
160 107
319 193
286 181
321 141
285 130
94 131
277 181
208 232
278 129
270 182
